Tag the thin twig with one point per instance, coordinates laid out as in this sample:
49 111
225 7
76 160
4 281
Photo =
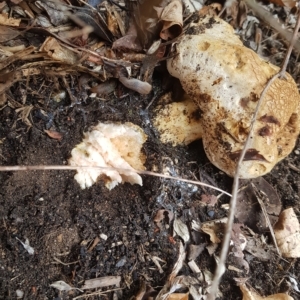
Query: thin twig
61 262
58 167
225 246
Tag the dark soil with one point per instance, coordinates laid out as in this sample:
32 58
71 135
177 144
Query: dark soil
61 221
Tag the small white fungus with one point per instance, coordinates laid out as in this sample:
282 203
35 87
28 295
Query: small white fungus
110 145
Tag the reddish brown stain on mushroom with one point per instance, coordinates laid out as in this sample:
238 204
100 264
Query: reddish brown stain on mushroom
269 119
251 154
265 131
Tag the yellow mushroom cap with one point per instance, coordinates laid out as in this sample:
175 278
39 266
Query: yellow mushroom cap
225 79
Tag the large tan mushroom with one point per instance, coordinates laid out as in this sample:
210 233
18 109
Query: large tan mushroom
225 79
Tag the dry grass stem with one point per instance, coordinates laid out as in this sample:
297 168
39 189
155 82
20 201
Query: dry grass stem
58 167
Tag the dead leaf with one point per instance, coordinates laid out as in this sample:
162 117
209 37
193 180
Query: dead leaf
247 197
195 250
171 15
250 294
179 263
178 296
258 248
163 216
238 244
209 200
63 286
5 20
181 230
237 10
287 233
54 134
176 284
112 23
7 33
213 228
57 11
58 52
286 3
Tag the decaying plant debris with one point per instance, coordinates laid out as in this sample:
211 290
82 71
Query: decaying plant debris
66 66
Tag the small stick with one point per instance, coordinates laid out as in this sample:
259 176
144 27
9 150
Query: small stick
58 167
61 262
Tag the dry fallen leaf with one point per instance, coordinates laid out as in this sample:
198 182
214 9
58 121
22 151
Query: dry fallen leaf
7 33
287 233
209 200
247 197
63 286
181 230
178 296
171 16
163 216
259 248
250 294
5 20
54 134
58 52
286 3
213 228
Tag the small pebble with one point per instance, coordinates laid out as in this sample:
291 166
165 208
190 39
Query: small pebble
20 294
121 262
210 213
297 152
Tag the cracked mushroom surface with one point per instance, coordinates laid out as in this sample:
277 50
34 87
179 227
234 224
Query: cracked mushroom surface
225 79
